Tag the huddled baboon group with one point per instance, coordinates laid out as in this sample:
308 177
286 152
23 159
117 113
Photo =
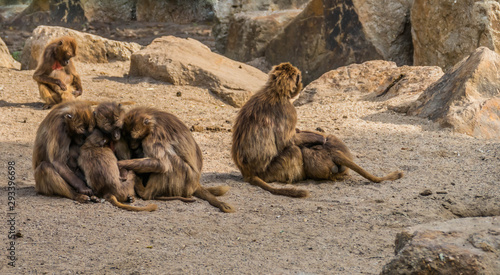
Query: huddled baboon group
83 153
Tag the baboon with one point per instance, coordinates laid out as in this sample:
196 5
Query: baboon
109 119
171 157
263 146
66 125
332 159
266 146
56 74
100 167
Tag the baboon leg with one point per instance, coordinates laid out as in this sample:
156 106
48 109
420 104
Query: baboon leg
49 182
308 138
48 95
218 190
204 194
340 158
287 167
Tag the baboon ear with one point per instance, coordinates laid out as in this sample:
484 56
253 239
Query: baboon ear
94 113
68 116
119 105
60 42
146 121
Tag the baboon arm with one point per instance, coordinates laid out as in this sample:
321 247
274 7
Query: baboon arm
71 178
42 76
143 165
77 81
308 138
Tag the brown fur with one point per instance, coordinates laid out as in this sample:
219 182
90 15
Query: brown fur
66 125
171 157
109 119
100 166
56 74
332 159
263 134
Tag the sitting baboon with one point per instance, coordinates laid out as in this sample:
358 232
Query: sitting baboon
56 74
172 158
66 125
332 159
109 119
267 147
263 146
100 166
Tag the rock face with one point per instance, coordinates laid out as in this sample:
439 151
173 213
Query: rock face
444 32
108 11
378 80
91 48
6 59
175 11
188 62
460 246
250 32
332 33
225 10
467 97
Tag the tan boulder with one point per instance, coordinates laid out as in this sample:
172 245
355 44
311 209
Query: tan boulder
375 80
181 12
329 34
459 246
108 11
91 48
467 97
444 32
250 32
6 60
188 62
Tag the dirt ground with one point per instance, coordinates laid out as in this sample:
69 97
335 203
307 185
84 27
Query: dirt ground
345 227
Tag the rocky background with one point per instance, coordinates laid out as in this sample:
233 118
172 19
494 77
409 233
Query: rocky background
421 62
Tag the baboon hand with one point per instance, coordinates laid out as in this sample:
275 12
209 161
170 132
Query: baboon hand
61 85
77 93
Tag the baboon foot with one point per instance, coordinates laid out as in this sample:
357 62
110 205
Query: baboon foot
130 199
82 198
226 208
94 199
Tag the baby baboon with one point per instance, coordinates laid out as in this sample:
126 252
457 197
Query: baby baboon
171 157
332 159
66 125
263 147
100 167
56 75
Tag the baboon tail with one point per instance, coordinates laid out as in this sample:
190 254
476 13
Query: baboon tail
343 160
290 192
204 194
112 199
218 190
175 198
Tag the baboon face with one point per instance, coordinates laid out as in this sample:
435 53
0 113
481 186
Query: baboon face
139 125
97 139
285 81
79 121
66 49
109 119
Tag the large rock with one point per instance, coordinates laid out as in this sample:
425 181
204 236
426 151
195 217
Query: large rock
460 246
467 97
444 32
175 11
188 62
109 11
332 33
378 80
226 9
6 60
91 48
250 32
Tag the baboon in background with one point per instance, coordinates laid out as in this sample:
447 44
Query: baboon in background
100 167
56 74
171 157
267 147
65 125
332 159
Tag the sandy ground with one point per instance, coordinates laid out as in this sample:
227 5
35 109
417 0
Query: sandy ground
345 227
